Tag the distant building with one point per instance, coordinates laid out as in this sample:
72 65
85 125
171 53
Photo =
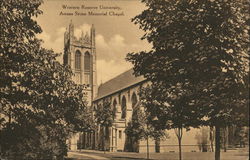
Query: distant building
122 91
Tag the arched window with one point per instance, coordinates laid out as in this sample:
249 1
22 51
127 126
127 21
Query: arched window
78 60
87 61
124 108
135 107
114 109
134 100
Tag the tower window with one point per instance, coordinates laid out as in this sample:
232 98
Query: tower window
87 61
78 60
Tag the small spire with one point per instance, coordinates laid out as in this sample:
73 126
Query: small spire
87 34
86 37
71 29
82 35
71 24
92 27
92 35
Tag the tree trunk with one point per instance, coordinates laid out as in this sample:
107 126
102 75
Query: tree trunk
225 134
212 146
131 144
104 136
217 143
225 148
178 132
179 140
157 145
212 138
147 148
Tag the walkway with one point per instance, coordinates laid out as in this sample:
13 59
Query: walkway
80 155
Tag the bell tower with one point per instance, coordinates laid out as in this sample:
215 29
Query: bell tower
80 55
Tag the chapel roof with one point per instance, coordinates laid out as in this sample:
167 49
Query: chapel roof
118 83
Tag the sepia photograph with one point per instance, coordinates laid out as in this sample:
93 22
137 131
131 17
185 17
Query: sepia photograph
124 79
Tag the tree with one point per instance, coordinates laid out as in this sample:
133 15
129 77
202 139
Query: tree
135 130
241 136
200 50
169 111
38 99
104 116
139 128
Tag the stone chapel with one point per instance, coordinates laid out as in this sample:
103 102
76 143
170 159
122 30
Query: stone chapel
122 91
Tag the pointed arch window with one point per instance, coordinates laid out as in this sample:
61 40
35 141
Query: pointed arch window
114 109
134 100
124 108
87 62
78 60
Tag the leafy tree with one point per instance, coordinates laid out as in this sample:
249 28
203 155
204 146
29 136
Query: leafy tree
169 111
39 103
139 128
241 136
135 130
104 117
198 63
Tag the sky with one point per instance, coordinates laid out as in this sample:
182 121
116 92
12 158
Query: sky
115 35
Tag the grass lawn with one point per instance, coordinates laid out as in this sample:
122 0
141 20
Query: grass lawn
171 156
